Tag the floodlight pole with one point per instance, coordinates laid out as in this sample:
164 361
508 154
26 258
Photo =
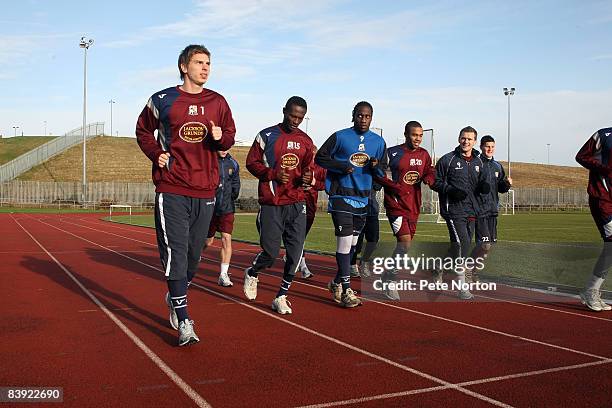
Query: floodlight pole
111 102
307 119
548 153
509 92
15 129
45 123
85 44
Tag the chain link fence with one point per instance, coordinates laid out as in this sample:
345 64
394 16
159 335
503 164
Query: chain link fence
23 193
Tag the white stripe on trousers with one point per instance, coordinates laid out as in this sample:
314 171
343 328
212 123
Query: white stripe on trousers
162 220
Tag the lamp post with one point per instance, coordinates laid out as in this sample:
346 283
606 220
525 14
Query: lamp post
307 119
45 123
111 102
548 153
85 43
509 92
15 129
380 131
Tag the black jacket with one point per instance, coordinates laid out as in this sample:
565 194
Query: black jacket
496 177
459 182
229 185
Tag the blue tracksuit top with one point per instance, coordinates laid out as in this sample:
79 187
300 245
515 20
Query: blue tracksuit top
348 149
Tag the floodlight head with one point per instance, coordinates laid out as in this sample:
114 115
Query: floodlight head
85 43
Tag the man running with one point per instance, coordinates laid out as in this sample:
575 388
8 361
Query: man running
351 156
192 124
410 166
596 155
281 158
225 207
460 178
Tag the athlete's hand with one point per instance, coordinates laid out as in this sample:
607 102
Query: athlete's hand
483 187
163 159
509 180
282 176
307 177
374 163
215 131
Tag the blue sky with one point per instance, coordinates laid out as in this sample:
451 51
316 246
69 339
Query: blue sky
442 63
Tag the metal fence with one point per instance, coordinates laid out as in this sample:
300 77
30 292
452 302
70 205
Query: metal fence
143 195
34 157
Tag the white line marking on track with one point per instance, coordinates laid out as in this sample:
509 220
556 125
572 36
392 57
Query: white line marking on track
465 384
190 392
386 304
301 327
330 268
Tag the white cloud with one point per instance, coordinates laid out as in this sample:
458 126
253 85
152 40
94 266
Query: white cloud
602 57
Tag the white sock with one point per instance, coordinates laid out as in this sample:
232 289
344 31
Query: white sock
303 263
595 282
224 268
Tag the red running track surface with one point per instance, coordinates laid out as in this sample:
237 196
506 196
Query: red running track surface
83 309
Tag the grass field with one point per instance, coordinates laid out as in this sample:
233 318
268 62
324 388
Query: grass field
16 146
555 249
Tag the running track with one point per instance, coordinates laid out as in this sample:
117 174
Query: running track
82 308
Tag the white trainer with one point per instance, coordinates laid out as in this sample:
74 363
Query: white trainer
465 295
282 305
306 274
365 269
336 290
391 292
590 299
187 335
250 285
604 305
224 280
350 299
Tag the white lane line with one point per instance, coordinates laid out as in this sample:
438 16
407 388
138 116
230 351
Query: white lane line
465 384
473 326
190 392
304 328
390 305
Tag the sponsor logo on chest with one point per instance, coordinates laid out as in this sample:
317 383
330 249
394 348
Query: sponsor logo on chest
359 159
289 161
411 177
193 132
416 162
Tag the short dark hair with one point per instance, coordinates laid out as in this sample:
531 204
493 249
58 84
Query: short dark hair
189 52
412 124
486 139
297 101
359 105
468 129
